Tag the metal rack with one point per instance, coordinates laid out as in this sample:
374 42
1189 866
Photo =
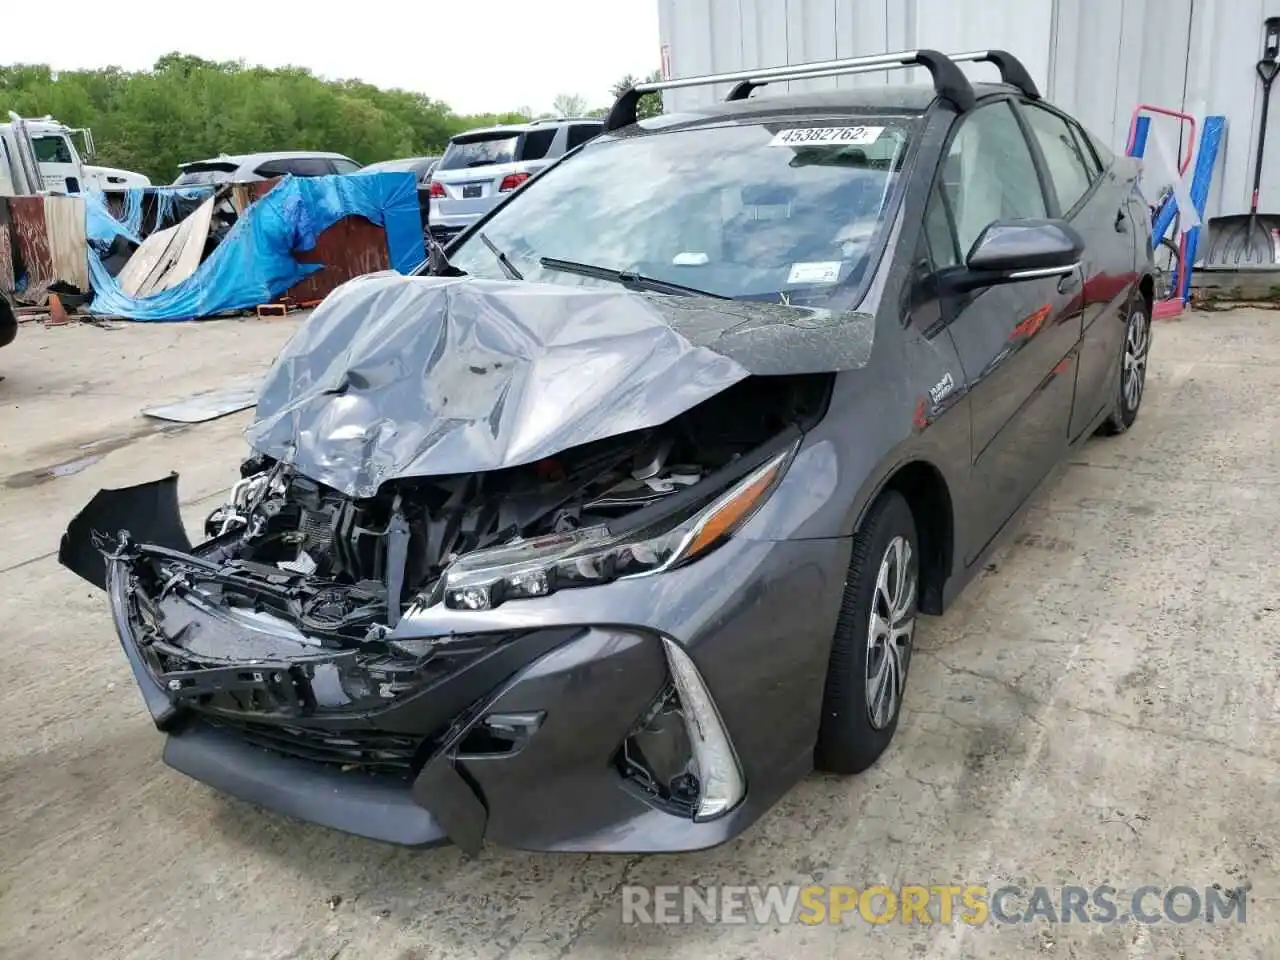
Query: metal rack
948 80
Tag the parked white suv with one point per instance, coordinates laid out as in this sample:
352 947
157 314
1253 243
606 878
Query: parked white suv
480 168
264 166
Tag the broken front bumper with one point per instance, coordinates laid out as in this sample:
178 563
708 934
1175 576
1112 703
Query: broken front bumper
517 743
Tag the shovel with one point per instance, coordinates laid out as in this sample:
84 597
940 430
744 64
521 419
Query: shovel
1251 240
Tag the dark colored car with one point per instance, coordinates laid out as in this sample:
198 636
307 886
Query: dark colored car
608 533
8 320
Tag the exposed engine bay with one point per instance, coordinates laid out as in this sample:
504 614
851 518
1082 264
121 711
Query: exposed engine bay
343 570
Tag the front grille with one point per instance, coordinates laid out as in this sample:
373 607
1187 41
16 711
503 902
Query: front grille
370 751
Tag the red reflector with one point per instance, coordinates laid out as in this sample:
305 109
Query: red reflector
511 181
437 190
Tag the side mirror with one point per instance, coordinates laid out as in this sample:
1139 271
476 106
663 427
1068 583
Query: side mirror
1009 251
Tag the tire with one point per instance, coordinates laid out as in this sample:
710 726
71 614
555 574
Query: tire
1132 382
857 725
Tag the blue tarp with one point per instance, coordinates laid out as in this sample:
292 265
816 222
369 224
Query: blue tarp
254 262
102 227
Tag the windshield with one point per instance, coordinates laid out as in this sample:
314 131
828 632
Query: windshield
788 212
499 148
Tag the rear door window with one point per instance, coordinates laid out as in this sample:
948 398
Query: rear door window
343 165
479 151
1065 157
298 166
309 167
273 168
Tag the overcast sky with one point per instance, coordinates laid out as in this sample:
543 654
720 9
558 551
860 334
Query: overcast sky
476 55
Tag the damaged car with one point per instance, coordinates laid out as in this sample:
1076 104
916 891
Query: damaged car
616 522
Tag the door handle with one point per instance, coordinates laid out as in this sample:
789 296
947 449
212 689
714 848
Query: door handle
1121 218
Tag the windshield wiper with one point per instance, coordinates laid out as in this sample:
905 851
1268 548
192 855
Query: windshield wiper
508 267
626 278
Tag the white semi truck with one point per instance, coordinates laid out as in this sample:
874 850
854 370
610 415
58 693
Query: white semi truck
39 155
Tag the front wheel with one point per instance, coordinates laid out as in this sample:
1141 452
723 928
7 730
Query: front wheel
871 650
1133 371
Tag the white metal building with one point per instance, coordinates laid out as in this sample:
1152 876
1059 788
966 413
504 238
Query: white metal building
1096 58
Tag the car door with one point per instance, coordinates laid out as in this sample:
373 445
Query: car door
1016 340
1096 202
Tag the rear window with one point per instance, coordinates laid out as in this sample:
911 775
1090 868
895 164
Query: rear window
343 165
479 151
197 173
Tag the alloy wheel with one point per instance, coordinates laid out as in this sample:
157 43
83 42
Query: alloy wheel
1137 344
889 632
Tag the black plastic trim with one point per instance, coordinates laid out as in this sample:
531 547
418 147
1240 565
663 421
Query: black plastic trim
1012 71
365 805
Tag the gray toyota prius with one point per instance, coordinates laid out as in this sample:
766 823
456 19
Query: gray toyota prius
614 522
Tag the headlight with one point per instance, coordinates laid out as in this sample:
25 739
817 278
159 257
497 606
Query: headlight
593 555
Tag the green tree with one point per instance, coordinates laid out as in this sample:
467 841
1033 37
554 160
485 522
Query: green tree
650 104
187 108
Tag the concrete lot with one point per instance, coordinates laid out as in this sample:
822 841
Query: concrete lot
1100 707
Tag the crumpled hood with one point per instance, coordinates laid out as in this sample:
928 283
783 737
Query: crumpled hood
396 377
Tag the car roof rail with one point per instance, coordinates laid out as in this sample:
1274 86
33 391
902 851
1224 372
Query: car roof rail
1011 69
948 79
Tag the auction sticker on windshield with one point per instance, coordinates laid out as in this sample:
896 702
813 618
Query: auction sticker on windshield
823 272
803 136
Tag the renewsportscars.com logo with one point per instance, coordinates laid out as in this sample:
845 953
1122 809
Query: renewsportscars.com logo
972 904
